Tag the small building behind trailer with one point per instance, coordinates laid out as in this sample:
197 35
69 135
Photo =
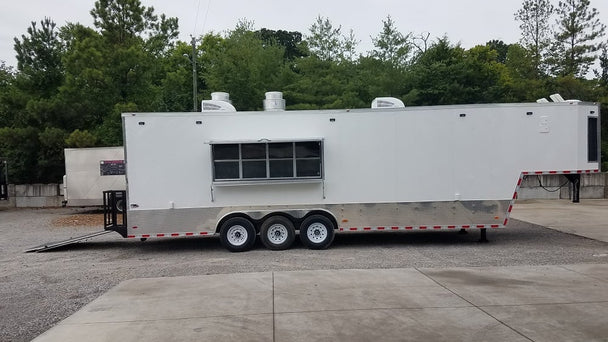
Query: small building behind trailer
276 174
90 171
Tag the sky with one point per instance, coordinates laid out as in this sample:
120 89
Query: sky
468 22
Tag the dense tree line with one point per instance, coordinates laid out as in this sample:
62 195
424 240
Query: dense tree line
72 82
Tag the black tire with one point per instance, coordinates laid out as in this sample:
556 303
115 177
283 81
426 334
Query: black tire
317 232
277 233
237 234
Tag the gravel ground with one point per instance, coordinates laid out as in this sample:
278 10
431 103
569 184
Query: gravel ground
37 290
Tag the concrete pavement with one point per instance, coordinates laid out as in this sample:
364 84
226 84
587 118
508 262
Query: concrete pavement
520 303
513 303
589 218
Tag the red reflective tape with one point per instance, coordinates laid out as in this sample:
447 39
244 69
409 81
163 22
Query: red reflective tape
451 227
130 236
422 227
352 228
175 234
579 171
146 236
596 170
394 228
466 226
566 172
481 226
587 171
436 227
515 195
409 227
510 208
160 235
538 172
189 234
552 172
341 229
381 228
525 173
367 228
494 226
505 223
134 227
204 233
519 181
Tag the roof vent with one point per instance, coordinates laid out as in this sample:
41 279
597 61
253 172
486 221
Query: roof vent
220 102
387 102
557 98
217 106
274 101
221 96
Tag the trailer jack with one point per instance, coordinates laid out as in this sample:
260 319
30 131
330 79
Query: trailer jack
482 237
576 186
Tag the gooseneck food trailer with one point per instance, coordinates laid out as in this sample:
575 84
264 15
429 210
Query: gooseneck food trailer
277 174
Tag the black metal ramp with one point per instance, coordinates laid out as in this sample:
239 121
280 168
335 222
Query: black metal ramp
69 241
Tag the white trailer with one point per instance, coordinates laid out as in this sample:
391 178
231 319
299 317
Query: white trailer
90 171
277 174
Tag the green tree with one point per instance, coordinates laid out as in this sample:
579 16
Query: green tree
50 161
109 133
602 74
322 84
325 40
20 147
176 85
89 92
447 74
392 46
534 17
7 95
123 63
291 41
245 66
80 139
327 43
577 38
521 80
40 73
39 59
501 49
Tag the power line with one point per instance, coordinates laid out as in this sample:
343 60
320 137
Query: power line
198 7
206 14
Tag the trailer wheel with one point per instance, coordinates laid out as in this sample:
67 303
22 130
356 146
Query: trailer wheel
317 232
237 234
277 233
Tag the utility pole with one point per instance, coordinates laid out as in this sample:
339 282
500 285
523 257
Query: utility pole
194 90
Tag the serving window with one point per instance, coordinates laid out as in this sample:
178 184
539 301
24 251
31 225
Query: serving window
267 161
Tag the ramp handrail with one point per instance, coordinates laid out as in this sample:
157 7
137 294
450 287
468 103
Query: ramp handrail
115 211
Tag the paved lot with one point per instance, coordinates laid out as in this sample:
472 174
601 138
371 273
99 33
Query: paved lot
588 218
538 266
521 303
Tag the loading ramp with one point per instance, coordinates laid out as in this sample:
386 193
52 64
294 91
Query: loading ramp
52 245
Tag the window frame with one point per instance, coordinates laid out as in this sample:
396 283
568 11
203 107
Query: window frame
267 160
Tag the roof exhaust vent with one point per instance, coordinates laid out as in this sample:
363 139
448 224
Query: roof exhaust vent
220 96
274 101
387 102
557 98
220 102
